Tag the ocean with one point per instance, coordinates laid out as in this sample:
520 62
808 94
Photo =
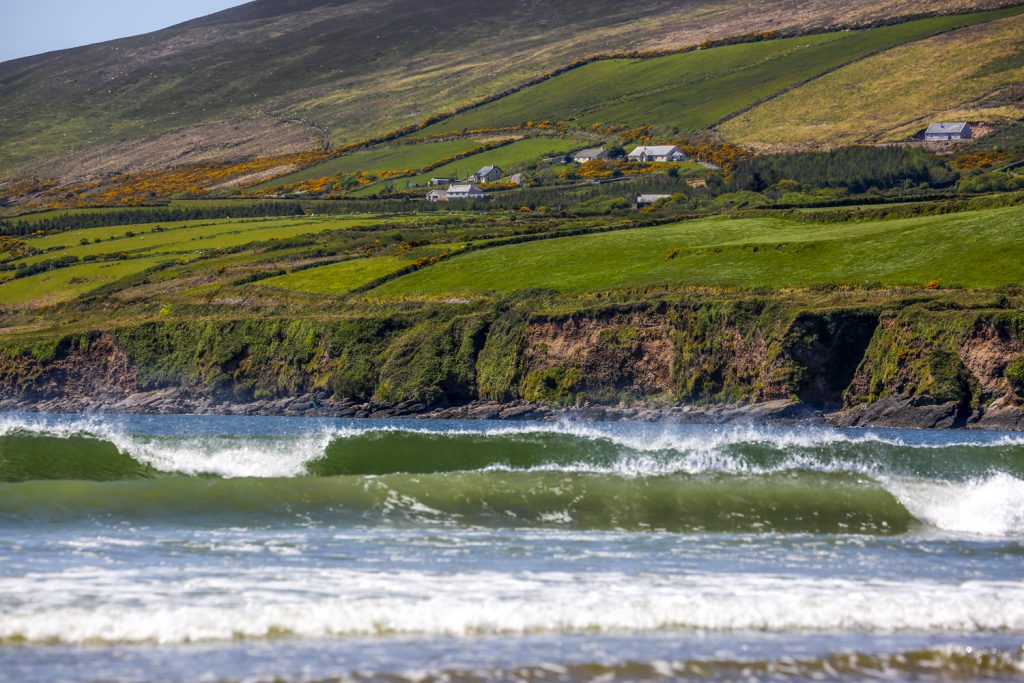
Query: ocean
144 548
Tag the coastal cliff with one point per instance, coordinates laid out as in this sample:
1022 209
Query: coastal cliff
917 364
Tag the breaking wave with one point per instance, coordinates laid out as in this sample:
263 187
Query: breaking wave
666 478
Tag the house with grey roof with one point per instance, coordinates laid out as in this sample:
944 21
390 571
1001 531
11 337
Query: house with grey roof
465 192
593 154
657 154
487 174
944 132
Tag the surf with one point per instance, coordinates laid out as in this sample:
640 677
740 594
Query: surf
668 478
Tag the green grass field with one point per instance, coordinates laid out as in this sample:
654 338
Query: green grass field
339 278
694 90
510 158
147 248
975 249
64 284
388 158
184 237
988 58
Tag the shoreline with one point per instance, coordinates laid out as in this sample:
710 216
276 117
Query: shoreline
899 413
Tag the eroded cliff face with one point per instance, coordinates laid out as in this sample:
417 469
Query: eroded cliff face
619 358
914 367
939 369
89 370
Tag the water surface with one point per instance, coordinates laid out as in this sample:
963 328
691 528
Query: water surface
265 549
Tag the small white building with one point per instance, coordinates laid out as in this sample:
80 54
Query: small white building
593 154
465 192
439 182
516 179
437 196
658 154
487 174
643 200
944 132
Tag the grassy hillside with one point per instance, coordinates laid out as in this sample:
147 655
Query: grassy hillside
113 253
509 158
344 69
692 91
948 77
389 158
976 249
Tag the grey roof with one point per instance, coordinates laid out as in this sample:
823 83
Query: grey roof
592 153
946 128
487 169
464 189
655 151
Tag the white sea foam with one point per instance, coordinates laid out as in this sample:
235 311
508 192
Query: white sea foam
990 506
120 606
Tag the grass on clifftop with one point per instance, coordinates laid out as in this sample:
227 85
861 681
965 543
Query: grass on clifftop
975 249
339 278
128 249
945 77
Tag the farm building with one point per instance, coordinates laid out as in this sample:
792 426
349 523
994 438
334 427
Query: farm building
662 153
465 192
437 196
440 182
941 132
592 154
643 200
487 174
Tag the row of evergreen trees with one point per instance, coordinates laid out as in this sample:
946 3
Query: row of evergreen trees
858 169
138 215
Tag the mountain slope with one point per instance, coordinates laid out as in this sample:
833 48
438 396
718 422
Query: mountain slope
976 85
295 71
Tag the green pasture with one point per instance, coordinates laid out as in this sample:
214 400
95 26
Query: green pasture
973 249
185 237
55 286
396 157
339 278
510 158
694 90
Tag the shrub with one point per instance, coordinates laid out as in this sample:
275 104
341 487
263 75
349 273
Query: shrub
1014 374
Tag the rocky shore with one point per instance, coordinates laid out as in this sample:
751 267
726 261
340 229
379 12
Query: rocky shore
920 413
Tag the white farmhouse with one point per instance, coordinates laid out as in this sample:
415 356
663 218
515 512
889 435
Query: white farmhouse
943 132
643 200
465 192
437 196
660 154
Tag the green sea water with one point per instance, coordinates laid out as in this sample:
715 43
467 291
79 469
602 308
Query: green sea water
265 549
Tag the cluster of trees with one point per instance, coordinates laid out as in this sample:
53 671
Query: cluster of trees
133 216
857 169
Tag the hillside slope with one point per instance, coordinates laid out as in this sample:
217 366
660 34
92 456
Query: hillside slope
694 90
975 85
279 75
